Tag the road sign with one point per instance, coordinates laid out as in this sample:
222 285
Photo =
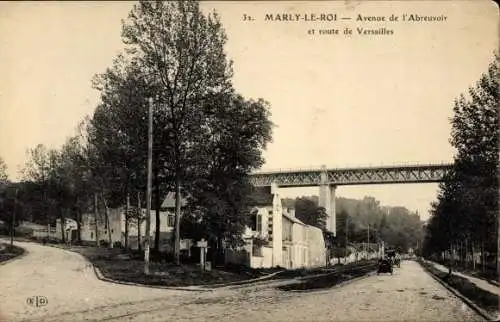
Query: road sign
202 243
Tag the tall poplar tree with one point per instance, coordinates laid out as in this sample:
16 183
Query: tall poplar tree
182 51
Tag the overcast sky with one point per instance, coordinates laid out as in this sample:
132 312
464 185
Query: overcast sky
335 100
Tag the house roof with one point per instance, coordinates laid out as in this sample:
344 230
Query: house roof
169 201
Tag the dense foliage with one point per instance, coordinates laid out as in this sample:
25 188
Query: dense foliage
3 171
464 219
362 221
206 136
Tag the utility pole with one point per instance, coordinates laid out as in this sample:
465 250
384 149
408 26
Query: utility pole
45 208
368 246
12 227
96 214
148 191
139 220
346 230
127 218
498 248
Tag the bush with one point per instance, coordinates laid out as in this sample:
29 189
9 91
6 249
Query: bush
103 243
54 241
23 232
117 244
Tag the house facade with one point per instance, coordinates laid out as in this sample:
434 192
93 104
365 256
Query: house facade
278 238
90 232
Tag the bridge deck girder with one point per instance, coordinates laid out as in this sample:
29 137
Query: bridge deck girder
354 176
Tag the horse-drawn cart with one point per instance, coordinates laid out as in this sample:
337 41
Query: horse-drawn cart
393 257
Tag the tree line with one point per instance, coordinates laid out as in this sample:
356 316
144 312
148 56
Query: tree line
207 136
362 221
464 218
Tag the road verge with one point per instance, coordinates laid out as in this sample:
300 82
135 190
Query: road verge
483 302
335 278
10 253
115 266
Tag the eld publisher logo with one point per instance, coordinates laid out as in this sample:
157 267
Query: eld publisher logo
37 301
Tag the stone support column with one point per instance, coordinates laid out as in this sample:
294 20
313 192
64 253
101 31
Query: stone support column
331 223
327 200
276 220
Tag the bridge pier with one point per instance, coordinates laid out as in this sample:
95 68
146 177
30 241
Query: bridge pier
327 201
275 222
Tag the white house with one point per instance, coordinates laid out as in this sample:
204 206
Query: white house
284 240
90 232
117 226
70 228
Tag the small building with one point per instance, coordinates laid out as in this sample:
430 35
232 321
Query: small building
70 229
277 238
90 232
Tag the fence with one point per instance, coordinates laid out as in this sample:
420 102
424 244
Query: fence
42 233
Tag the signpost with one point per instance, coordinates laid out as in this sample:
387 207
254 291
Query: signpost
68 236
203 245
13 225
148 190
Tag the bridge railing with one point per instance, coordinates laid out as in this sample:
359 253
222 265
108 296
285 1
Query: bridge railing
351 167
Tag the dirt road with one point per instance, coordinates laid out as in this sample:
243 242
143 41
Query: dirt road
75 294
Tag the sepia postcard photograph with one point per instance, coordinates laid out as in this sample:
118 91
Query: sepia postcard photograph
249 160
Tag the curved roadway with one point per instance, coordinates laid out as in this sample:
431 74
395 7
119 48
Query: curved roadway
75 294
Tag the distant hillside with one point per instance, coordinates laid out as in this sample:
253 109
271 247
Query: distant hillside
396 226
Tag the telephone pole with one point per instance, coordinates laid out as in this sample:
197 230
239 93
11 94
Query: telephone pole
346 230
148 191
368 241
139 220
13 226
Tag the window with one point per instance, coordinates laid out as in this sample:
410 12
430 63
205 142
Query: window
259 223
170 221
253 220
91 235
112 230
287 230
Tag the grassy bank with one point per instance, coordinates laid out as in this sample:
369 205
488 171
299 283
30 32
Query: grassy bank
304 272
119 265
128 266
482 298
488 272
342 274
8 252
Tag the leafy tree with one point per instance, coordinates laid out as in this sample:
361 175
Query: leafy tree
119 132
74 177
37 169
467 207
10 194
396 226
307 211
3 170
237 131
183 52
